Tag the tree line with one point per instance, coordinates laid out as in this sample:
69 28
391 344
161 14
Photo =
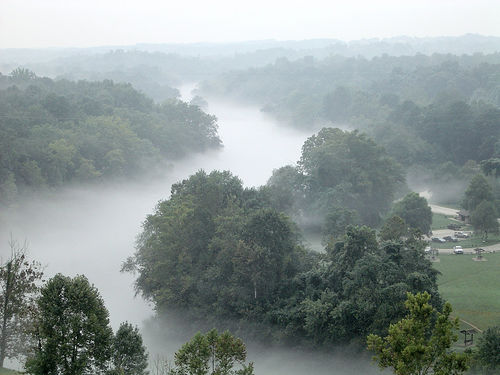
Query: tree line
425 110
56 132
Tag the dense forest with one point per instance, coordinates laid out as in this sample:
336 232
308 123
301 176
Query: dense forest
56 132
221 253
425 110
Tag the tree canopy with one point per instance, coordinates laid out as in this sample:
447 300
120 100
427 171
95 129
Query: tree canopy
419 343
220 254
19 285
56 132
72 329
341 178
415 211
212 354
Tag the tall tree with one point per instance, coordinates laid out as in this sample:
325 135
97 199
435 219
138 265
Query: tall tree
19 279
129 354
415 211
484 218
393 229
418 344
488 351
478 190
349 170
212 353
72 329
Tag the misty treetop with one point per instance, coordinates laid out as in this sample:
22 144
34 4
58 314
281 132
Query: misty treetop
426 110
213 246
55 132
342 178
222 256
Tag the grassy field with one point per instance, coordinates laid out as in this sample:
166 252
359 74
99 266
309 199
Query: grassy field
4 371
440 221
473 288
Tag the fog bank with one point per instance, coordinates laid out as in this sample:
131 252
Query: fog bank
91 229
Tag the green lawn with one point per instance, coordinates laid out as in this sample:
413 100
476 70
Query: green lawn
4 371
440 221
473 288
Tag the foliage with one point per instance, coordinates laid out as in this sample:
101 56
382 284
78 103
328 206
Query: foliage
484 218
425 110
71 329
218 254
488 350
415 211
210 247
393 229
56 132
19 278
478 191
341 178
418 344
212 353
129 355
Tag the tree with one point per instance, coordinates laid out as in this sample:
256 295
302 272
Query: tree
337 221
478 190
418 344
19 279
393 229
129 354
484 218
71 329
489 349
212 353
349 170
415 211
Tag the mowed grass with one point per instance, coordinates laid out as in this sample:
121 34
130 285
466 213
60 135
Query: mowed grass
440 221
473 288
4 371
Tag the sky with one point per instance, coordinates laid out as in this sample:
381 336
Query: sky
85 23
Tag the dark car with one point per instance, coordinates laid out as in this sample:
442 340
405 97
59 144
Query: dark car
450 239
438 239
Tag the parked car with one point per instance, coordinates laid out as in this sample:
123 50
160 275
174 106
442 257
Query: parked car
438 239
450 239
454 226
462 235
458 249
427 250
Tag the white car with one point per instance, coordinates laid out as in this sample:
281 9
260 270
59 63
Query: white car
458 250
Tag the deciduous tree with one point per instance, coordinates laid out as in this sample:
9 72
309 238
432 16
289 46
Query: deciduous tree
415 211
418 344
19 279
72 329
129 354
484 218
214 354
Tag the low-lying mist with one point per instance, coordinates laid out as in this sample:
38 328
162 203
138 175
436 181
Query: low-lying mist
165 335
92 229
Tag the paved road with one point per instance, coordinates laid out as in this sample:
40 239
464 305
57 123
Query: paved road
443 210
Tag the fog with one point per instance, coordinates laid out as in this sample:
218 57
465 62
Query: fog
91 229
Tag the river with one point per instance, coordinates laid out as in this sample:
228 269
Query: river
91 230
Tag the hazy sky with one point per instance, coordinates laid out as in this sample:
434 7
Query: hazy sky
49 23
